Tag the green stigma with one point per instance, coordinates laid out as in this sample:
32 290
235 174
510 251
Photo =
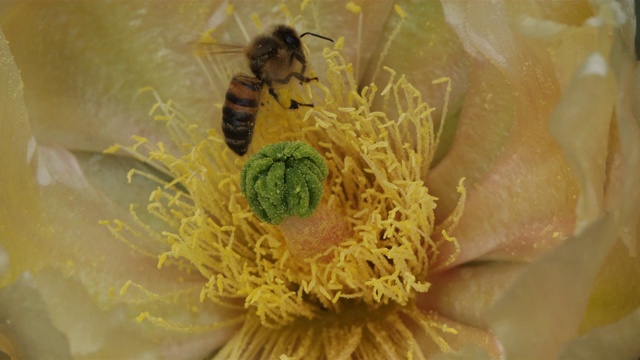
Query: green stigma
283 179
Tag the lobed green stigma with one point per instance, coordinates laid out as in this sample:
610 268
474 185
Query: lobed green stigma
283 179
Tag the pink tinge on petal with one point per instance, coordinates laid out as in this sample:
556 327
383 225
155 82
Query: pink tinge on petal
545 306
522 192
532 194
465 293
455 334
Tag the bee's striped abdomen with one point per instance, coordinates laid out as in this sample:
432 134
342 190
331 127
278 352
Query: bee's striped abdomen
239 112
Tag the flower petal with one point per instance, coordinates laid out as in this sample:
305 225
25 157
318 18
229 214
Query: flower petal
615 341
424 48
466 292
19 192
556 288
85 74
86 266
512 163
50 216
27 331
552 294
458 336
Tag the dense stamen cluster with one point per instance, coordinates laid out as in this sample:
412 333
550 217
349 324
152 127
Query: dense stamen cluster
377 156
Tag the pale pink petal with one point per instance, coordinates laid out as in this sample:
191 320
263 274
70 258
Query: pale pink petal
465 293
458 336
544 308
502 146
591 279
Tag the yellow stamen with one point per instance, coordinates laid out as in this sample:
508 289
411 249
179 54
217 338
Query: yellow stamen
352 298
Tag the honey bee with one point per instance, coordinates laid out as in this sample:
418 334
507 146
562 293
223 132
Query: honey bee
272 59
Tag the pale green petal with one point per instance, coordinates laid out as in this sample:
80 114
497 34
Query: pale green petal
93 267
26 329
96 330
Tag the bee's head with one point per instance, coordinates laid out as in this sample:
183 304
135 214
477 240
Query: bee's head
288 36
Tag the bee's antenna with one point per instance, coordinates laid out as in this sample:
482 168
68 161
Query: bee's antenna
316 35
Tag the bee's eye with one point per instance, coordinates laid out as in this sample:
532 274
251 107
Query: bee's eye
292 41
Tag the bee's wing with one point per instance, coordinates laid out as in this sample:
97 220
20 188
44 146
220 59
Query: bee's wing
206 48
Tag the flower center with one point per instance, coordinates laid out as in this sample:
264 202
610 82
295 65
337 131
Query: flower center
375 209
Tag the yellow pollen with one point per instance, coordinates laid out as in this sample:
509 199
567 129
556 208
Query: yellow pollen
256 21
353 7
399 11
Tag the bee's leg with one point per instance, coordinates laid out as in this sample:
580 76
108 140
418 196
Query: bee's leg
297 75
298 57
294 104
